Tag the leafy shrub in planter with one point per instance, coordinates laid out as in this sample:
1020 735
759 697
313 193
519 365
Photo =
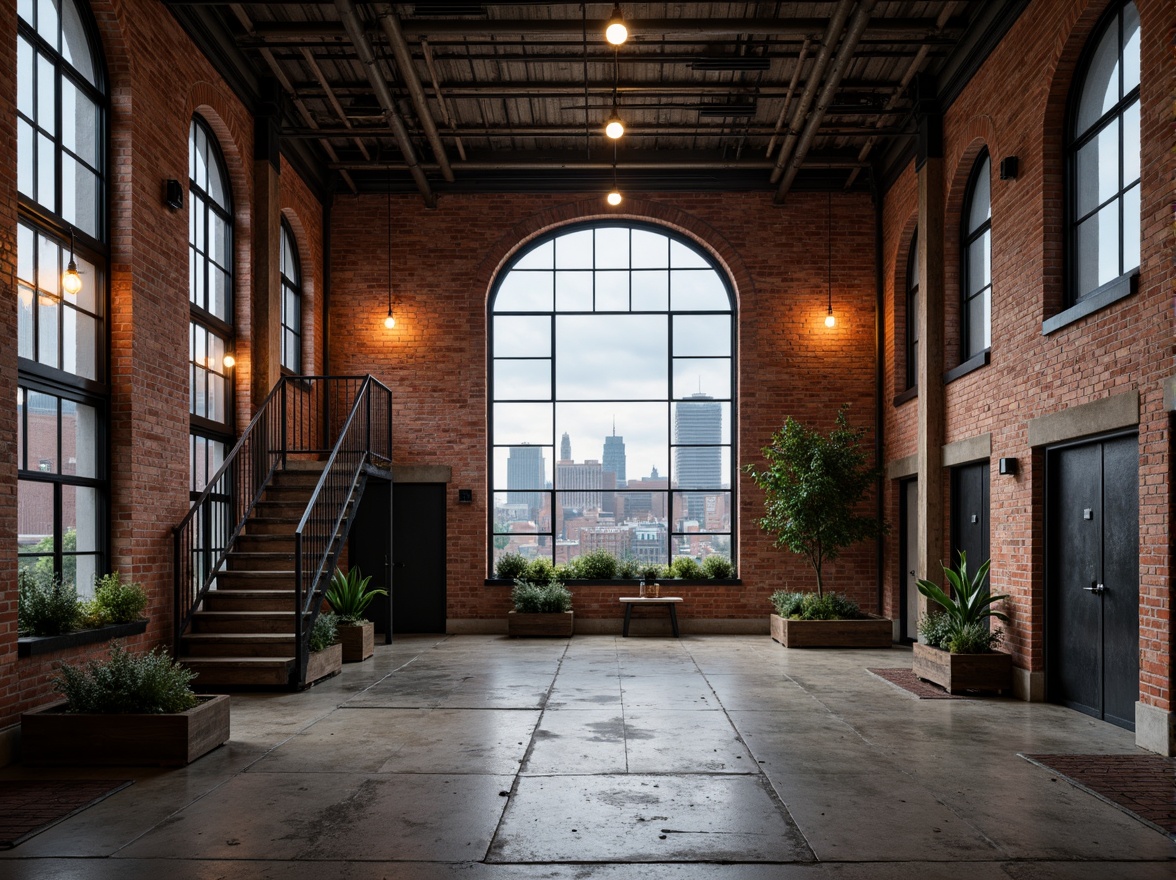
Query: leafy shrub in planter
962 626
123 682
811 606
325 631
686 568
532 598
629 568
596 565
939 630
511 566
652 573
45 606
349 595
540 570
718 567
114 601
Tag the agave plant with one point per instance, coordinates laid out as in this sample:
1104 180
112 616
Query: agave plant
349 595
969 603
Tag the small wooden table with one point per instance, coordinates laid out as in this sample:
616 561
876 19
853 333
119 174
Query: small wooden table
668 601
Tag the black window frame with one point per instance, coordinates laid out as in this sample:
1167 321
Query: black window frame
291 286
968 236
911 343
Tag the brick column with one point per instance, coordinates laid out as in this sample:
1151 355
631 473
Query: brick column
267 242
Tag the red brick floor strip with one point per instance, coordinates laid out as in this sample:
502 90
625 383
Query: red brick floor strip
28 807
1143 785
903 677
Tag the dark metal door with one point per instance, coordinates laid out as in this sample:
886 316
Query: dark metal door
418 526
369 546
909 552
969 514
1093 566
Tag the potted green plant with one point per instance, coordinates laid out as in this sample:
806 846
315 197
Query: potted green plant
349 596
814 485
957 651
540 609
326 652
51 617
126 709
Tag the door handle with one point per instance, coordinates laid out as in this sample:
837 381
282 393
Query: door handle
1095 587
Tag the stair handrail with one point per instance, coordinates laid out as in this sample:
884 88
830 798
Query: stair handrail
364 439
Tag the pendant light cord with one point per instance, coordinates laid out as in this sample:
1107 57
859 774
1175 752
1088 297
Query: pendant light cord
389 240
829 244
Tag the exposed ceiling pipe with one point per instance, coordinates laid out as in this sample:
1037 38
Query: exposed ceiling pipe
832 34
788 97
857 27
446 114
391 25
332 99
590 165
363 49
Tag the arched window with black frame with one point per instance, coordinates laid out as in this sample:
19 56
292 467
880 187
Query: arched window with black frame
62 303
291 271
1103 152
612 405
976 269
912 313
210 328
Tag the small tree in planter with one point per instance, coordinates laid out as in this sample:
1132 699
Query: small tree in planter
540 609
813 485
349 596
957 650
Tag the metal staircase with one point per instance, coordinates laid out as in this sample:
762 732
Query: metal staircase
256 551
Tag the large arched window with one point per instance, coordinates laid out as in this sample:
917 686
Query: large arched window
291 271
210 297
912 313
62 301
1103 140
976 274
612 398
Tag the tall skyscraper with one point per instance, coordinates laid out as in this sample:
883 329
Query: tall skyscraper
614 457
525 470
698 458
565 448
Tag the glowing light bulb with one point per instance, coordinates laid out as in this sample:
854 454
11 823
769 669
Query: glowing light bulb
615 128
229 362
615 31
830 321
71 281
389 321
614 198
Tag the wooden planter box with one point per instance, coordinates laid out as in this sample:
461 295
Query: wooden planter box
559 624
358 641
51 736
963 672
324 663
867 632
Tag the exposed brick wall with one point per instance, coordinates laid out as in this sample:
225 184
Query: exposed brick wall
1015 106
445 262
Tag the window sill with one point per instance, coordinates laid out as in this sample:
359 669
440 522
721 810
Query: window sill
1111 292
669 583
969 366
31 646
910 394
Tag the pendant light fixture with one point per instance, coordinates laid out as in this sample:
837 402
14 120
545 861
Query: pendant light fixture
830 321
614 128
390 321
614 30
71 280
614 196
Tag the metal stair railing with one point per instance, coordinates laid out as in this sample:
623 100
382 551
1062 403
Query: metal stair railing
300 416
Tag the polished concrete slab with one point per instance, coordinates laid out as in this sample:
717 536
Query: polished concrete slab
655 758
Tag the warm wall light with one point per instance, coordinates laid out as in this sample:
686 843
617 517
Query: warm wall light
229 362
614 30
389 321
71 281
830 321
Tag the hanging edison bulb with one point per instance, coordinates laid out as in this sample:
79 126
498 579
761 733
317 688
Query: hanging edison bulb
614 30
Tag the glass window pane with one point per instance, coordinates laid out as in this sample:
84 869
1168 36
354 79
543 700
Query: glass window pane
702 467
523 467
86 298
1131 229
25 92
79 123
643 429
651 250
1131 144
216 185
573 291
79 193
79 343
219 239
519 423
541 257
74 45
651 291
980 209
199 391
978 323
79 518
218 294
708 335
42 432
1100 88
522 336
46 193
47 21
684 257
613 357
1130 47
26 159
698 514
612 291
46 95
26 9
574 250
698 290
79 438
1097 249
612 247
522 379
979 273
26 328
525 292
1098 169
702 419
48 314
692 375
217 409
34 520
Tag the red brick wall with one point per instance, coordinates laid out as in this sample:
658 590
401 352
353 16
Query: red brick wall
1015 106
789 363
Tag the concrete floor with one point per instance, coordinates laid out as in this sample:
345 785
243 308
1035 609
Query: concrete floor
707 757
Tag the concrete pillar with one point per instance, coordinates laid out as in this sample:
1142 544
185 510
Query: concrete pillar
266 317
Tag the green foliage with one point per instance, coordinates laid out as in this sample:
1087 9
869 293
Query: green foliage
686 567
965 610
511 565
597 565
814 606
43 565
325 631
935 630
349 595
541 569
974 638
150 683
813 485
45 606
562 573
651 573
719 567
540 598
114 601
629 568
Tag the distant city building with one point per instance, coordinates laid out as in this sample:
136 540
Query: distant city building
565 448
614 457
640 504
525 469
698 457
648 543
578 484
617 540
